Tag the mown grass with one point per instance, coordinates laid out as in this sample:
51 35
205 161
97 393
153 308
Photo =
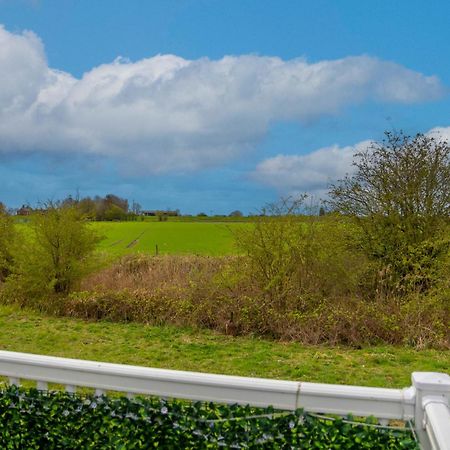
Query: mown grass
206 351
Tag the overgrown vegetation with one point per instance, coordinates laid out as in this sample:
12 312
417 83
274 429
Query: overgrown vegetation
319 295
34 420
219 293
6 238
296 260
376 269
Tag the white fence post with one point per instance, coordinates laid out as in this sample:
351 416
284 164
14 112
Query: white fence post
432 410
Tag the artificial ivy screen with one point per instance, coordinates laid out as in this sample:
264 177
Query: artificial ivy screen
32 419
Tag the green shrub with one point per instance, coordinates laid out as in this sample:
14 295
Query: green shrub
53 258
292 256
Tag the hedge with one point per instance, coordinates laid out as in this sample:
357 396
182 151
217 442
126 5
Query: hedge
32 419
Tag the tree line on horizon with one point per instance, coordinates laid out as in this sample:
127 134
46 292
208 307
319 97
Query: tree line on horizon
111 207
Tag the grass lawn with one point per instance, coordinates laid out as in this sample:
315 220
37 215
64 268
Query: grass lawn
205 351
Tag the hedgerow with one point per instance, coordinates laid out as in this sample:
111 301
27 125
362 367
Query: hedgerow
32 419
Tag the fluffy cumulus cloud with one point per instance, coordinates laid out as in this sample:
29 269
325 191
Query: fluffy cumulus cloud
167 113
314 172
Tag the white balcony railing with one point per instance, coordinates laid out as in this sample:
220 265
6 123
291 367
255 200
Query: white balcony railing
426 402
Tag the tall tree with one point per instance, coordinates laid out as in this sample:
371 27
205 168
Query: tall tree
399 195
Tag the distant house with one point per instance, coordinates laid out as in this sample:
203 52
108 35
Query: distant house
160 213
24 211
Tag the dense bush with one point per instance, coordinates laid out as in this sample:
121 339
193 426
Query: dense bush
7 235
399 196
290 256
53 256
217 293
56 420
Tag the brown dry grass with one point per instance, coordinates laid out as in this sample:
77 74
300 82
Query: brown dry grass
154 273
217 293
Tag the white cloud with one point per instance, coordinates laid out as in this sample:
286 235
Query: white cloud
23 70
441 132
314 172
167 113
290 174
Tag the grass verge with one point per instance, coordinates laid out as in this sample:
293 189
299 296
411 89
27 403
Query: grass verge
206 351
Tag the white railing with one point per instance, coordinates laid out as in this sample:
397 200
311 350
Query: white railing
426 402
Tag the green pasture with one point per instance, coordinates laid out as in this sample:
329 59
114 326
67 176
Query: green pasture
201 238
180 348
172 237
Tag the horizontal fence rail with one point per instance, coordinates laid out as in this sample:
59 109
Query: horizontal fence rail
426 402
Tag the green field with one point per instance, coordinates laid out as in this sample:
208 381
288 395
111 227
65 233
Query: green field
174 237
180 348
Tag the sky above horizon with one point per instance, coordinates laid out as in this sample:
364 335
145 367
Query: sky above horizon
207 105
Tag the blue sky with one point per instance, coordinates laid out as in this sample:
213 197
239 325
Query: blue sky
208 105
